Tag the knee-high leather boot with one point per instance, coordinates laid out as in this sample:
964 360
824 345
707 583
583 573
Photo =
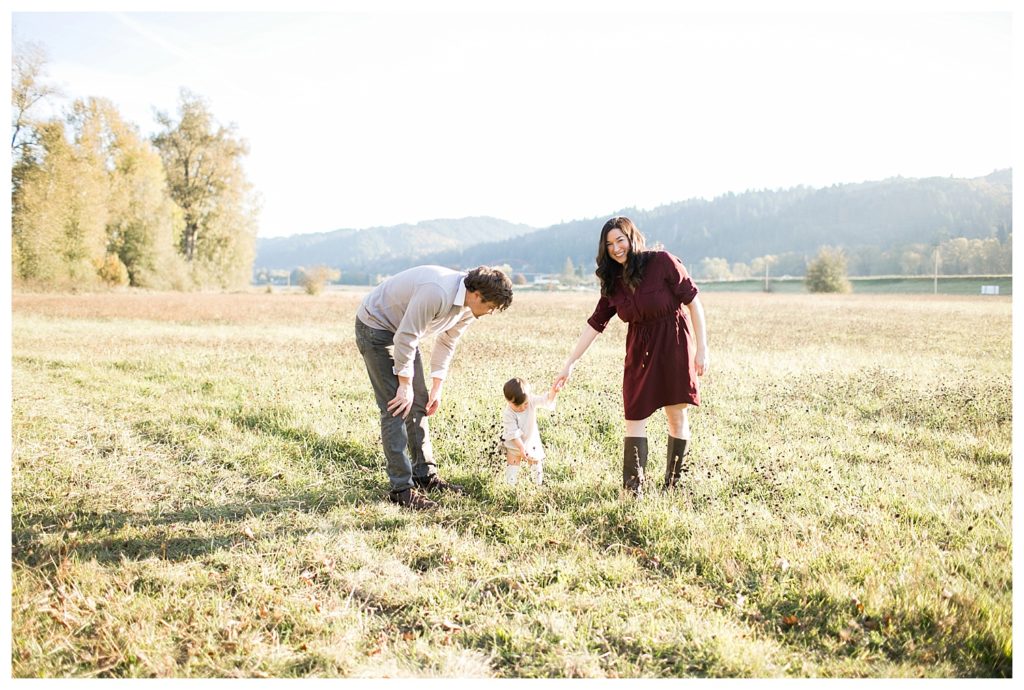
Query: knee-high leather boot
674 463
634 462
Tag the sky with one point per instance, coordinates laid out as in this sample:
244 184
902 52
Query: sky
367 117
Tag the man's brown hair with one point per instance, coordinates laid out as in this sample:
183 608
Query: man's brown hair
493 285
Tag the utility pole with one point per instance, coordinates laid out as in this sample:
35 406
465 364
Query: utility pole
935 288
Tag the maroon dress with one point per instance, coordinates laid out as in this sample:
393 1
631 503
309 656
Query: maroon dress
660 346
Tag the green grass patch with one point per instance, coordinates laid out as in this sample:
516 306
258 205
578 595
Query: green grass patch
198 491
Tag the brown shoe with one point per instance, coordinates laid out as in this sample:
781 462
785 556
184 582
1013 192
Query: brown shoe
435 483
411 498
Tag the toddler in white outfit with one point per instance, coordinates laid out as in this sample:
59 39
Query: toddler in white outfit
521 436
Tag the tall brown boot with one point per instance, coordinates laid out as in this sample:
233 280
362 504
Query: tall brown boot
634 462
674 464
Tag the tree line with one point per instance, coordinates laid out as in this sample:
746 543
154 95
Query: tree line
957 256
887 227
94 203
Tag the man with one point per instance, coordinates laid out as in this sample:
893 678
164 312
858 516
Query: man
390 323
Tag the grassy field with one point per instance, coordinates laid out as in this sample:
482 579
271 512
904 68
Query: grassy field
197 490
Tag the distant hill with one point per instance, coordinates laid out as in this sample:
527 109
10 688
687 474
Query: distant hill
873 221
381 248
865 218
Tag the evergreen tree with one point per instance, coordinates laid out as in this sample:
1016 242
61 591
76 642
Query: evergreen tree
568 276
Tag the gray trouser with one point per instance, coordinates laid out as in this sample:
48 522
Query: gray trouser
406 441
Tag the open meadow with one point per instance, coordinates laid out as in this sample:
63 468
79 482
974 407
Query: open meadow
198 490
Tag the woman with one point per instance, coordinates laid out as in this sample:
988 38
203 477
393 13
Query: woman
666 346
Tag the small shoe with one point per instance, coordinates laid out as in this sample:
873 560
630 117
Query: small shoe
435 483
411 498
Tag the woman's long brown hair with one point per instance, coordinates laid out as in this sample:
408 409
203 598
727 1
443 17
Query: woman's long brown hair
608 269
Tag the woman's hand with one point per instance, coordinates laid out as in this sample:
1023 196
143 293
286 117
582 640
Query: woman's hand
562 378
701 362
586 338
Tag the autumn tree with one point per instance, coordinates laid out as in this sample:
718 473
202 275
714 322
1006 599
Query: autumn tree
313 280
93 201
715 268
740 270
92 205
34 240
28 90
143 223
202 161
827 272
58 213
89 199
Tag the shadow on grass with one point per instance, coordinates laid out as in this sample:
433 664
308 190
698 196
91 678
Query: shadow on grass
93 535
84 533
81 533
834 627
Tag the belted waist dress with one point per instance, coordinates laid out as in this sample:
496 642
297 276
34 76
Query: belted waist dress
660 346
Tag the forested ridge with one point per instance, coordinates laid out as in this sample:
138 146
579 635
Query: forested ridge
355 249
886 227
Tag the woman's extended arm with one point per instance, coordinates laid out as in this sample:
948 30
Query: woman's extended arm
587 337
701 361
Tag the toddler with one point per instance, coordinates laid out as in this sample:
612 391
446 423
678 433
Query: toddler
521 437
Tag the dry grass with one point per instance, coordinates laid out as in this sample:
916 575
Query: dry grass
197 490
